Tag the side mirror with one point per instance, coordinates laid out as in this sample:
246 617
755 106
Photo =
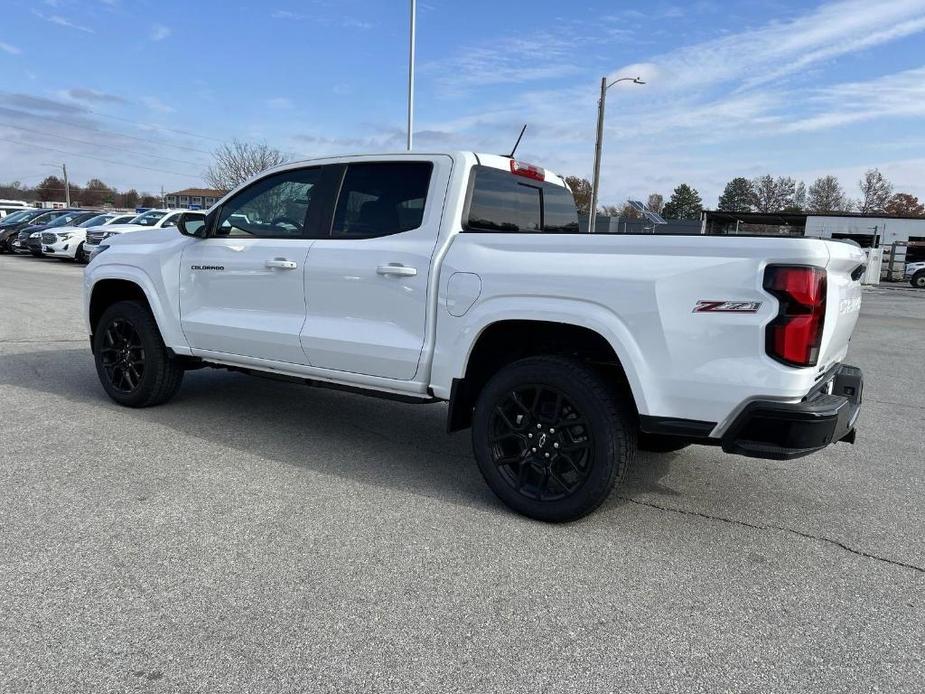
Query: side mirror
192 225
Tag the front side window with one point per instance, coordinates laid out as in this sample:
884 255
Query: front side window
149 219
501 201
276 207
381 198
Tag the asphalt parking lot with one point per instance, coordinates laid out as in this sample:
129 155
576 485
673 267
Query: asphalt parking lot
258 536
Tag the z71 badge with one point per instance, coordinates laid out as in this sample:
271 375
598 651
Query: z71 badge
727 306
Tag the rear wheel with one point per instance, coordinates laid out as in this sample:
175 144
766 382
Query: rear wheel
918 280
550 437
79 255
132 362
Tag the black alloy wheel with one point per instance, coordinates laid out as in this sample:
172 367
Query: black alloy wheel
540 442
134 365
123 355
552 436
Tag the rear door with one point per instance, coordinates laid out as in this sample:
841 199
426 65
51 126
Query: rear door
242 288
367 281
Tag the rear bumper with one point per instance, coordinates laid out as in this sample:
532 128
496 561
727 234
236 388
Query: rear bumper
781 431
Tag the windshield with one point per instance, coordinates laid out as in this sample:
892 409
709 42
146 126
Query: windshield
45 217
64 220
96 221
18 217
149 218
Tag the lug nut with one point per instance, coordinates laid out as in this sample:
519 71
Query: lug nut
547 455
539 426
555 445
534 450
529 436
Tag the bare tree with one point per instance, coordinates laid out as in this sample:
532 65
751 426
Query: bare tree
236 162
827 195
656 202
772 195
875 192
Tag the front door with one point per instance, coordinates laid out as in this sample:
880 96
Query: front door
367 282
242 289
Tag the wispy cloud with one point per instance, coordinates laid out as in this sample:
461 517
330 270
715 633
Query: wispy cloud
62 21
155 104
280 103
159 32
513 60
287 14
92 96
891 96
9 48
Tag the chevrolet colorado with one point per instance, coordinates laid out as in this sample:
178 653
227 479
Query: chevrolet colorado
462 277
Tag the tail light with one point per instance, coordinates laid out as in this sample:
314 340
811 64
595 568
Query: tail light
794 337
519 168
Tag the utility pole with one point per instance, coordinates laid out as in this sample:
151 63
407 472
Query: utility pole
411 74
599 143
67 188
163 199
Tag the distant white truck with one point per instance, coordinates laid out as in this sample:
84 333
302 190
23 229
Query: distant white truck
915 273
461 277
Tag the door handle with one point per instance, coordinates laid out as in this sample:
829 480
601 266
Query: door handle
282 264
397 270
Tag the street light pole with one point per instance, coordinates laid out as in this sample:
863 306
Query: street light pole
67 187
411 74
598 145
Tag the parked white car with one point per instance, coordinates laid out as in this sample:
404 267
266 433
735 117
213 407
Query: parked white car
150 219
462 277
68 242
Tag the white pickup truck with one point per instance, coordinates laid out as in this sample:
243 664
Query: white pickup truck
462 277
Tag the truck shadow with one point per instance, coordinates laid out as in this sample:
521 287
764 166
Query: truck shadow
364 439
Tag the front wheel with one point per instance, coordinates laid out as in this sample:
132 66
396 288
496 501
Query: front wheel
918 280
132 362
551 438
80 255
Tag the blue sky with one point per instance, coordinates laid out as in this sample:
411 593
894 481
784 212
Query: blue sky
734 88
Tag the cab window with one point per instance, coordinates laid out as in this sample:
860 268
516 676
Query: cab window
277 206
381 198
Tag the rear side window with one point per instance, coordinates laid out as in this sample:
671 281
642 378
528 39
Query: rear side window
501 201
381 198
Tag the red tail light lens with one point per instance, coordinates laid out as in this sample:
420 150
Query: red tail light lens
794 337
519 168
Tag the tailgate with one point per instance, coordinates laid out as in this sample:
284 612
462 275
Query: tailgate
843 301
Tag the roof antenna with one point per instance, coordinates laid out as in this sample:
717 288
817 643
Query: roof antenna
522 130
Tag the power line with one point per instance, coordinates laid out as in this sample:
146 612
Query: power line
96 144
173 130
108 161
102 131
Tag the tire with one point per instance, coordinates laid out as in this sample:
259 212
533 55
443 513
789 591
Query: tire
132 362
918 280
581 462
661 444
36 254
79 256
